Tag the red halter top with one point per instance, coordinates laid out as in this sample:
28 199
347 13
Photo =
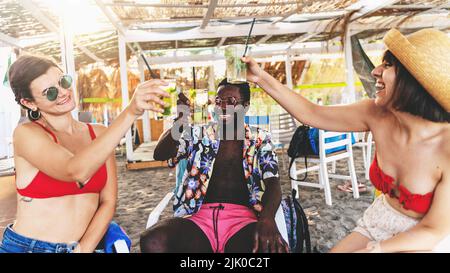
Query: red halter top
44 186
416 202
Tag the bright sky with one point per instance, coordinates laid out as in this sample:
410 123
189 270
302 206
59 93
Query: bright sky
83 16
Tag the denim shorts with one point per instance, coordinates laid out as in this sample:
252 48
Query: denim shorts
15 243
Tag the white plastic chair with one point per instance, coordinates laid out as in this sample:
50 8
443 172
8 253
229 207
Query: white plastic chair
282 129
7 163
365 143
121 147
322 165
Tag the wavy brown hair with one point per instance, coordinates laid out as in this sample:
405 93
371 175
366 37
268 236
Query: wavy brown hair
411 97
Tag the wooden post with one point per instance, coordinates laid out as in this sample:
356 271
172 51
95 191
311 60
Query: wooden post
124 84
288 67
67 58
349 95
145 116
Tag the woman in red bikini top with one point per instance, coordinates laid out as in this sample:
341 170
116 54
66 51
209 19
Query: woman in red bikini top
65 169
410 121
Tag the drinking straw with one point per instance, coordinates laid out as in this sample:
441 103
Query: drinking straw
248 37
153 75
193 77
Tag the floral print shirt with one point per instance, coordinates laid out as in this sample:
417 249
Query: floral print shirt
195 164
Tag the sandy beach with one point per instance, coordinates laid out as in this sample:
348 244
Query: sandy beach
140 191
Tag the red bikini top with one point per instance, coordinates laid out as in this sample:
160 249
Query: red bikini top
416 202
44 186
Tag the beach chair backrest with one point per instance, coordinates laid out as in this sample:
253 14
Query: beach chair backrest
330 142
283 127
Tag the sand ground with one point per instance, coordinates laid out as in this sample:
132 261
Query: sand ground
140 191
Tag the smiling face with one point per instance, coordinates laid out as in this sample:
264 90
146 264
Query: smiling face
398 90
385 75
64 102
225 92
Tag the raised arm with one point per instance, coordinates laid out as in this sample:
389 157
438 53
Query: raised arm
353 117
35 146
167 146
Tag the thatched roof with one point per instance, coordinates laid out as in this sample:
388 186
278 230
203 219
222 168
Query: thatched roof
16 21
20 22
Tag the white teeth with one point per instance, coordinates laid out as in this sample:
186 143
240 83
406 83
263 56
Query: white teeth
379 86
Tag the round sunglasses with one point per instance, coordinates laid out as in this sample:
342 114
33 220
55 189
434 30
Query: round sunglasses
228 101
52 92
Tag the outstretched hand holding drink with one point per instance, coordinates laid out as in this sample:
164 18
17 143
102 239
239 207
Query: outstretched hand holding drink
254 72
147 96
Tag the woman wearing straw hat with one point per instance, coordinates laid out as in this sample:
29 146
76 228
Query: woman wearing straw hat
410 122
65 169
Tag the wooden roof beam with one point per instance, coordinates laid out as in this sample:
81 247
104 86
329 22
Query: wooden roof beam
269 29
14 42
225 31
187 6
222 41
264 39
365 7
416 6
303 38
432 9
114 21
212 6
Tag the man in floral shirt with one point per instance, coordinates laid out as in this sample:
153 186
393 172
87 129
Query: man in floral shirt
227 190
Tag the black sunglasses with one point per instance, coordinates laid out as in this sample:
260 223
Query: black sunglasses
52 92
228 100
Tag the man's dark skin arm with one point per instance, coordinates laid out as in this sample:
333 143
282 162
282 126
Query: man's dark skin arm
167 147
267 236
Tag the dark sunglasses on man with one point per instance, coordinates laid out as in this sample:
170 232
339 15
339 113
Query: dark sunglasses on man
52 92
228 101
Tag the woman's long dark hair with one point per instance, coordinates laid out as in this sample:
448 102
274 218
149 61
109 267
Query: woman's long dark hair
409 95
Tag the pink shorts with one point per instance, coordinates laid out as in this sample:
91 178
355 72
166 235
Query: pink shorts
220 221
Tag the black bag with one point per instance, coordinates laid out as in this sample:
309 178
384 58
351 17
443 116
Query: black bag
296 224
300 145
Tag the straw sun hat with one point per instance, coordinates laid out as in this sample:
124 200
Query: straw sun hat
426 55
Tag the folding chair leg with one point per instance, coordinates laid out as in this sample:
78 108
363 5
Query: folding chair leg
351 168
326 183
333 167
364 158
321 177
